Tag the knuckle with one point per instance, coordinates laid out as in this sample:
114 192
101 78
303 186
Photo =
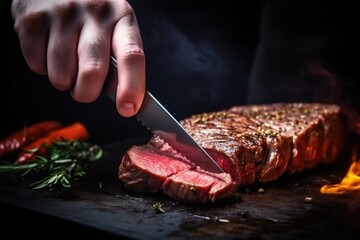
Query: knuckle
31 22
127 10
99 8
66 10
93 69
21 8
127 14
132 53
18 7
92 73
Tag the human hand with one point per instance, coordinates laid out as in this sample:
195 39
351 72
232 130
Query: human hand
71 41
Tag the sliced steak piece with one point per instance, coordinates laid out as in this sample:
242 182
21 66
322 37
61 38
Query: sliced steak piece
197 186
317 130
156 166
145 168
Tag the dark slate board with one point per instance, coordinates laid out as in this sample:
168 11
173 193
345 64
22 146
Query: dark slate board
102 206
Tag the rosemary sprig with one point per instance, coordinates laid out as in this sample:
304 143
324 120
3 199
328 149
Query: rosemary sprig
64 164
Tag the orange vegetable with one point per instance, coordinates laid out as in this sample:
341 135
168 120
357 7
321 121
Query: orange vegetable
75 131
18 139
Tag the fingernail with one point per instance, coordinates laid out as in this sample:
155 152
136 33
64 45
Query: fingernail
127 109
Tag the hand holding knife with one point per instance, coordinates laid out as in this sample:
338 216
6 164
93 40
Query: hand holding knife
156 118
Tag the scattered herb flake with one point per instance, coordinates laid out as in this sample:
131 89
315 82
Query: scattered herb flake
158 208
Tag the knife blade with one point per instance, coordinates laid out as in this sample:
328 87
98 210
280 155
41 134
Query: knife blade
157 119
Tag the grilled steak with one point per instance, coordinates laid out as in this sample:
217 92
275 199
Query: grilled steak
257 143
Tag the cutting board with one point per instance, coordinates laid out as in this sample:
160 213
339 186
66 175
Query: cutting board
263 211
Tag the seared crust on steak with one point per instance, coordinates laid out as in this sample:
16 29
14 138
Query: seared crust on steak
317 130
250 151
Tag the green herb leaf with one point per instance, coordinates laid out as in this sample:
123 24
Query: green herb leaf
64 163
158 208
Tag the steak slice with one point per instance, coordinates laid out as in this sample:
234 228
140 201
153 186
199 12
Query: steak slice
156 166
197 186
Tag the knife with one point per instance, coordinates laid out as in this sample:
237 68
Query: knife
156 118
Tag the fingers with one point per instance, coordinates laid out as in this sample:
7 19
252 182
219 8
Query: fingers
72 41
32 29
128 50
93 63
62 56
48 33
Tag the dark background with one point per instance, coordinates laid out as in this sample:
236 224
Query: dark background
206 56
